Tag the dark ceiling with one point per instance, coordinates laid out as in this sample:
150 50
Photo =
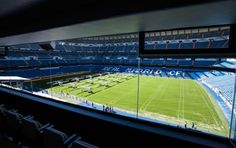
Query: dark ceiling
28 21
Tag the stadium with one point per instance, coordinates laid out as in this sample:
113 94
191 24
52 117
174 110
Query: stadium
105 71
112 74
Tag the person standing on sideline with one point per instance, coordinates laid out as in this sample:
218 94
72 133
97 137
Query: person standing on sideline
193 125
185 125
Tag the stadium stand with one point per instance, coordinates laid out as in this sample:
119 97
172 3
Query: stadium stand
125 51
223 85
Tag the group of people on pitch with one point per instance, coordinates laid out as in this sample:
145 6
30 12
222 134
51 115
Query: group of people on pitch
108 108
193 125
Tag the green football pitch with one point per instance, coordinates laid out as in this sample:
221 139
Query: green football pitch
173 100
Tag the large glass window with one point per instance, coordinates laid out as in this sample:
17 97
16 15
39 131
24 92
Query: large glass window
105 73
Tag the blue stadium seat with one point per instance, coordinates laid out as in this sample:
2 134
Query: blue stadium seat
201 44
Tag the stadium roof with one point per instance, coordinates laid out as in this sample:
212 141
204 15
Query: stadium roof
63 20
13 78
